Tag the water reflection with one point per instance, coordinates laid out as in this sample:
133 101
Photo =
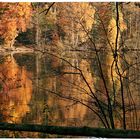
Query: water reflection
44 89
57 89
15 90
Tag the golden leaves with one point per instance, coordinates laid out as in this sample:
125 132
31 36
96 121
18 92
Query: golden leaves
14 18
72 17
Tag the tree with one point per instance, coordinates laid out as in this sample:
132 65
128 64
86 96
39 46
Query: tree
86 67
107 98
14 18
72 18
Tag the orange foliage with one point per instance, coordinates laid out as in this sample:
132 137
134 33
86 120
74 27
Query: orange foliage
73 16
14 18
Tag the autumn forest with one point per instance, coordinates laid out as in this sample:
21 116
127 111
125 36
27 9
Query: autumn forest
69 68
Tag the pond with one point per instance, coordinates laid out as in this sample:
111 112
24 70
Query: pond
63 89
38 88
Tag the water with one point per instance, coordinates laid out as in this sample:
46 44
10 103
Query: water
56 89
42 89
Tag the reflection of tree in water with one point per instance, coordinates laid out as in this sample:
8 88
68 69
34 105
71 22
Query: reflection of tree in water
52 75
15 91
68 84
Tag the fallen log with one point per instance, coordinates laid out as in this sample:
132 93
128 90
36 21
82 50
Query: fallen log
74 131
16 50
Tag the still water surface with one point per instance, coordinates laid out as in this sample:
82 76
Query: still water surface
39 89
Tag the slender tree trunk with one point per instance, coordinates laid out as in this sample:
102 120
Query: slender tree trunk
118 69
37 28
